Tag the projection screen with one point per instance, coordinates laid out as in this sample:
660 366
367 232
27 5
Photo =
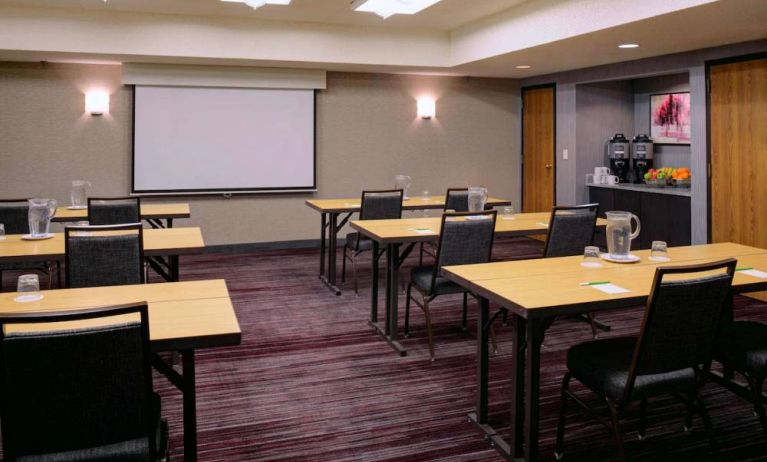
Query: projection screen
207 140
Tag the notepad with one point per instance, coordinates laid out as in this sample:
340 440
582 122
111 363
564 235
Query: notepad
542 224
422 230
351 205
610 288
754 273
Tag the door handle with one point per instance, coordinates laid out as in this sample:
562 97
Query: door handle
548 165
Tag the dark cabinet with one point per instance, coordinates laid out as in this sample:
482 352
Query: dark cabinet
664 217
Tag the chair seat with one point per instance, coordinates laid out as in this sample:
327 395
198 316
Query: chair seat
364 242
743 347
421 278
603 366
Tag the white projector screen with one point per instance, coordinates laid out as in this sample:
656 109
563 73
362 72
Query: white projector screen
205 140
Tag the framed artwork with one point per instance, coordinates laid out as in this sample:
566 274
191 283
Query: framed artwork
670 118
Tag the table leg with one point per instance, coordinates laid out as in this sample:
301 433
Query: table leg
330 278
389 332
323 227
190 406
174 269
169 223
518 384
374 287
479 418
534 334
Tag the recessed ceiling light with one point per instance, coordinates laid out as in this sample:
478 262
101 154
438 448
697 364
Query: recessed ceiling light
386 8
523 66
628 45
255 4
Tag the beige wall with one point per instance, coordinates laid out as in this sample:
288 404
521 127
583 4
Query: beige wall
367 132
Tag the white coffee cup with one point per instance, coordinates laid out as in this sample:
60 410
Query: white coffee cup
612 179
600 171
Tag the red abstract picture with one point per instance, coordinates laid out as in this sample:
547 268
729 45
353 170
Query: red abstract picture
670 118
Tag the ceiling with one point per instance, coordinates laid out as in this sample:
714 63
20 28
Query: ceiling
485 38
445 15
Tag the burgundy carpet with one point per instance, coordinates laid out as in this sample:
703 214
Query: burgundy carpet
311 382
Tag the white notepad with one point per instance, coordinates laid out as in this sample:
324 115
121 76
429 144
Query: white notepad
754 273
422 230
610 288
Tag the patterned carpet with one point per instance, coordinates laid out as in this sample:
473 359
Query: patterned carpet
311 382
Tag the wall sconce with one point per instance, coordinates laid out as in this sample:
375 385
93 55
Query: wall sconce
97 102
426 108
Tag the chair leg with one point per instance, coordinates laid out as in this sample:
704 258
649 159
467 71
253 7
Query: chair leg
706 422
642 431
493 340
420 256
427 313
616 428
559 452
756 392
505 318
690 404
50 276
465 311
407 309
343 264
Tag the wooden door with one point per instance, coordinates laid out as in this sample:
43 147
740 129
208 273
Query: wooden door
738 150
538 149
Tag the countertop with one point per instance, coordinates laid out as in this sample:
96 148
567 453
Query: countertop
646 189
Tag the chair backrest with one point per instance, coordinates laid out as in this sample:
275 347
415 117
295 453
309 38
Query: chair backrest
464 239
114 210
14 215
681 320
104 255
75 388
381 205
571 228
457 199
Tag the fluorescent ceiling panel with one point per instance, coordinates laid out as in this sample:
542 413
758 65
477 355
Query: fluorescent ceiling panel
386 8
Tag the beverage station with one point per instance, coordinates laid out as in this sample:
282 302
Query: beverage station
658 196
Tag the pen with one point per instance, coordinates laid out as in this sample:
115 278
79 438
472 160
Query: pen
743 269
594 283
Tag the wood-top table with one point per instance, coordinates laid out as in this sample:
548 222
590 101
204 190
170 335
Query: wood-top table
394 233
535 290
158 243
330 209
183 316
154 214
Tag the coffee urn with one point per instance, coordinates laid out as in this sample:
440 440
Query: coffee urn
642 156
618 153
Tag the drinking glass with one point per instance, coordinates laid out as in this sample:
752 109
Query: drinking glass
28 288
507 213
2 232
425 196
659 251
591 257
477 198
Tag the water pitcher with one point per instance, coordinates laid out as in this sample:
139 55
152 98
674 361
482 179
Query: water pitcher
40 213
619 234
477 198
402 182
79 193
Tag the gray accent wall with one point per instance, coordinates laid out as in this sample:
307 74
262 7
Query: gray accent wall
603 109
691 63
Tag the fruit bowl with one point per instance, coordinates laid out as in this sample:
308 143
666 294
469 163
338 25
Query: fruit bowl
656 183
686 183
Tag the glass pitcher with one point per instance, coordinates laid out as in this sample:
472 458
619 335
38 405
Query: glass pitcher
477 198
619 234
402 182
79 194
40 213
